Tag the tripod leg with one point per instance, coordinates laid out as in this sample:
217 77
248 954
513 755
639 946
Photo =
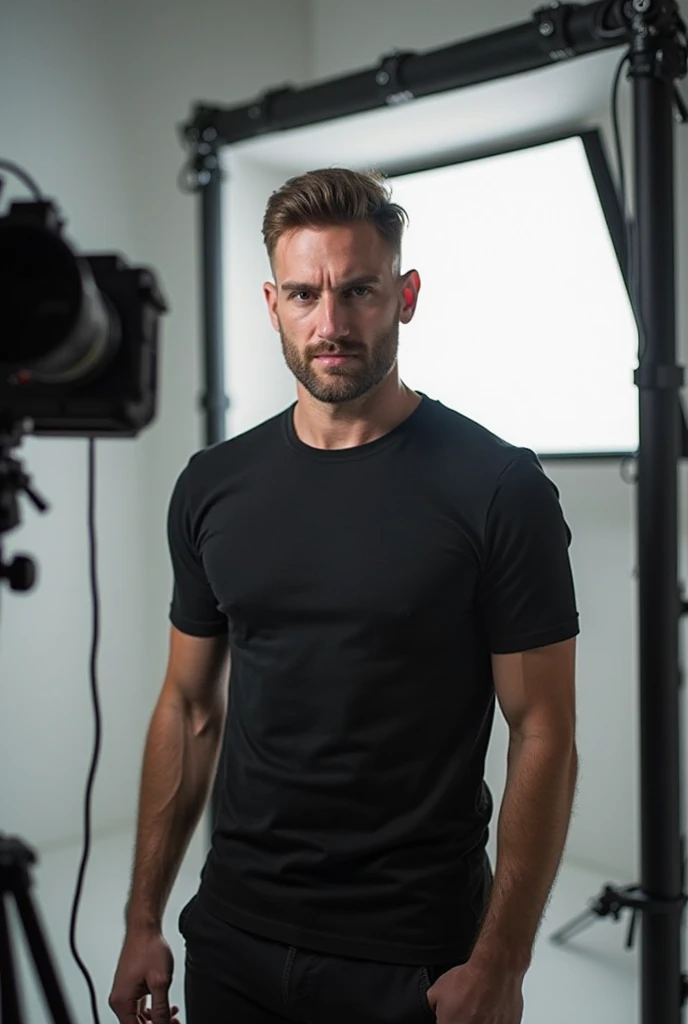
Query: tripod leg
578 924
39 950
10 1007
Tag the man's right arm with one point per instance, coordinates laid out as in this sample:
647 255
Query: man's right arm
179 765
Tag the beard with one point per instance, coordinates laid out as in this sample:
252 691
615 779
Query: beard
336 384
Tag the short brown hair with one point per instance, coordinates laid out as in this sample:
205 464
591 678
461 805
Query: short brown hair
334 195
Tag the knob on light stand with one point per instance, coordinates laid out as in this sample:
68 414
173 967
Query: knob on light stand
21 572
16 857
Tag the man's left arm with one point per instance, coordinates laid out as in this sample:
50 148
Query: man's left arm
536 692
525 600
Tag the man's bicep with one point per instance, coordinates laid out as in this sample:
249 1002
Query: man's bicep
194 608
525 593
536 690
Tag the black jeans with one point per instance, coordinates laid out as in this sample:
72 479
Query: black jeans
234 977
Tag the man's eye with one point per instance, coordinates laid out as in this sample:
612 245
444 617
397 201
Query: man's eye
360 291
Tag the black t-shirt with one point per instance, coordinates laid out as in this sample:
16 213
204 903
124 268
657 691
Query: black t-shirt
364 590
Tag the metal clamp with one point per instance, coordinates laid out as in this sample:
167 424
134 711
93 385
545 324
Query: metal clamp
552 25
613 900
659 378
203 142
389 76
260 113
659 40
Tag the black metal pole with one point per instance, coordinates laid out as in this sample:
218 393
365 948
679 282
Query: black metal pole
214 402
556 32
653 68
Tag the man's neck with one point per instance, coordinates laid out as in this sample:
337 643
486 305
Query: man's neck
351 424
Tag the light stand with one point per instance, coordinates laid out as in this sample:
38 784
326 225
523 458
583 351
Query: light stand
16 857
657 58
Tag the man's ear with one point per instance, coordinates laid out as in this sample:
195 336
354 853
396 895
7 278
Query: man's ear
270 293
410 288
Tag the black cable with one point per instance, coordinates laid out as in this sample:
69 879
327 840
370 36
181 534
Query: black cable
631 262
629 222
96 709
24 177
607 33
617 139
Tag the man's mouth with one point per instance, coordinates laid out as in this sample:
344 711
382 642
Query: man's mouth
336 359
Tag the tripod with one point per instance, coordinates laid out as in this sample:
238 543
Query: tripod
613 900
610 901
16 857
15 880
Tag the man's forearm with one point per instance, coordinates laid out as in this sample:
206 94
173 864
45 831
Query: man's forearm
533 826
179 764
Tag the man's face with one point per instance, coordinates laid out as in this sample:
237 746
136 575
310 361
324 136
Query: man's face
337 303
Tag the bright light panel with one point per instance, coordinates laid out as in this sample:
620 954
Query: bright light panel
524 322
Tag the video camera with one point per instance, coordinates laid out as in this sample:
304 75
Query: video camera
78 334
78 348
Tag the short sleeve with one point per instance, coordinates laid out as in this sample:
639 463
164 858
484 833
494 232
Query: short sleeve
526 591
194 608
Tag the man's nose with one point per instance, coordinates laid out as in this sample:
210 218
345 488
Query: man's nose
332 322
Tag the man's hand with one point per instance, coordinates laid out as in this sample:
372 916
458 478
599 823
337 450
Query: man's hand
145 968
476 994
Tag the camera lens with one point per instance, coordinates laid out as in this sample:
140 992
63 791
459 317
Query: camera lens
55 326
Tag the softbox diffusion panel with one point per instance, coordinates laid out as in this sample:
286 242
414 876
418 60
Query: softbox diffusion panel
524 321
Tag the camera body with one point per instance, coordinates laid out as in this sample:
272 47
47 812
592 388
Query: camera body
80 355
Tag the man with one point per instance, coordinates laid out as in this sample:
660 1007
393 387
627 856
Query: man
381 569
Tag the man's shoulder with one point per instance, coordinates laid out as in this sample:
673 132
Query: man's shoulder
466 442
237 451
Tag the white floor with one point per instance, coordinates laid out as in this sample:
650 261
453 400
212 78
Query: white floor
592 979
